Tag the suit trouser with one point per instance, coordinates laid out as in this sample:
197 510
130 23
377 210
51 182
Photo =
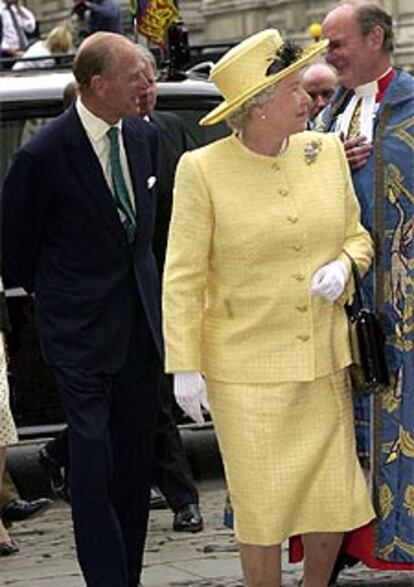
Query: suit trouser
111 421
172 472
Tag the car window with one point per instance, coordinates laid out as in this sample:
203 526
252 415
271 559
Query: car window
20 125
200 135
14 133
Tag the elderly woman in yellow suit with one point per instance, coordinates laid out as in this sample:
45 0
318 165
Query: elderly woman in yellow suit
256 277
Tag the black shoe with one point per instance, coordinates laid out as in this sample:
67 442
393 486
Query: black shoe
56 473
342 562
8 548
188 519
18 510
157 500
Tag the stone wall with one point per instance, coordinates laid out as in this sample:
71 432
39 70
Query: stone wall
232 20
50 12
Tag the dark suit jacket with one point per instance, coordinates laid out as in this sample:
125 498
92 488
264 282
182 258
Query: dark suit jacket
173 142
63 240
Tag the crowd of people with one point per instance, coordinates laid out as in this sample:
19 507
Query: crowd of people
255 237
21 44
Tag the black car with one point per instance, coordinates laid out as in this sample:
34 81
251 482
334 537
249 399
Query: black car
27 102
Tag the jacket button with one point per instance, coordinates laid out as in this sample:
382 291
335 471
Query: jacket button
299 276
297 247
302 309
283 192
303 337
292 219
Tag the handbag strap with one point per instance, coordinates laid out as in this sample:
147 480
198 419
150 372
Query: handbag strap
360 296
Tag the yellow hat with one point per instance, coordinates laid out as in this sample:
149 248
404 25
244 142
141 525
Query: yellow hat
248 68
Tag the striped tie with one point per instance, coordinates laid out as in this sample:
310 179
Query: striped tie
20 34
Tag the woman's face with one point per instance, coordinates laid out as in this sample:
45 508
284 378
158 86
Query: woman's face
287 112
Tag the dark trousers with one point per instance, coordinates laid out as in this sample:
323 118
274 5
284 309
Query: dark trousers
111 421
171 472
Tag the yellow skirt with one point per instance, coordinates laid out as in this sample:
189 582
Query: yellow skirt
290 457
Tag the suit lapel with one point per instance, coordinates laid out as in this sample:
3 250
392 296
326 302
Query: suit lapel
86 166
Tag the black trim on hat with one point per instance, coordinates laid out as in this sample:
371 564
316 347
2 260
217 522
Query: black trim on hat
287 54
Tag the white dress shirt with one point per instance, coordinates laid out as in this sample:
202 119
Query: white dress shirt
27 22
97 129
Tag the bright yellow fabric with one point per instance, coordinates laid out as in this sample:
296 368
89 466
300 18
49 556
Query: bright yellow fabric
247 233
290 458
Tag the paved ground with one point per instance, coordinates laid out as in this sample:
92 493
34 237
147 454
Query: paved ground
207 559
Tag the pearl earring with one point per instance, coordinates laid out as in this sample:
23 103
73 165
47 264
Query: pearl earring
263 117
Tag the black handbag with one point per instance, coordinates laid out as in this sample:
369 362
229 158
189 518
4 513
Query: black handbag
369 372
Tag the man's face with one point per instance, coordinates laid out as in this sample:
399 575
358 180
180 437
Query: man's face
148 98
121 89
320 82
349 52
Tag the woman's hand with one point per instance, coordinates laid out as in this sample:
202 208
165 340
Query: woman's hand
329 281
191 394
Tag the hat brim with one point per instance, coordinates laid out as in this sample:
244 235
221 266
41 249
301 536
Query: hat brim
225 108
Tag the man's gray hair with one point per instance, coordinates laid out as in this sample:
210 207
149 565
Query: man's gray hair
97 55
148 56
370 15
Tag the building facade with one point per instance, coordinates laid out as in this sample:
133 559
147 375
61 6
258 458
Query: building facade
212 21
217 21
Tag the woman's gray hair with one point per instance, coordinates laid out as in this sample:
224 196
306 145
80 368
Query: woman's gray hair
238 117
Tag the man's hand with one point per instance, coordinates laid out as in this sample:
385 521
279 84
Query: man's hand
12 52
191 394
357 151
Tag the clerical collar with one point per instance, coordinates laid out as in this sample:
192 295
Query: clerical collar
383 83
366 90
375 88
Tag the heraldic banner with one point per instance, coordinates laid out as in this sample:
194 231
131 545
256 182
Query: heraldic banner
154 17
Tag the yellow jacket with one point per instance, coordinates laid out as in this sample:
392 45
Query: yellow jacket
247 233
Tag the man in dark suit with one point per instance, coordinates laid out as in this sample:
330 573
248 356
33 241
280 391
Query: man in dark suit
78 216
171 472
102 15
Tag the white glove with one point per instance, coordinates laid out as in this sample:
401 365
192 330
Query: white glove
191 394
329 281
